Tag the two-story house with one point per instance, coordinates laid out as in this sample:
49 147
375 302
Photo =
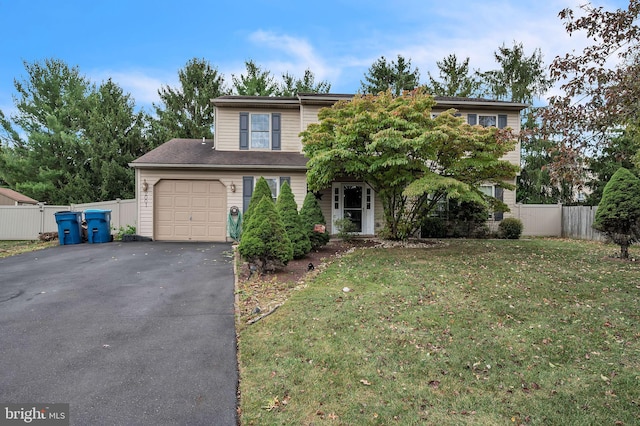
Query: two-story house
186 188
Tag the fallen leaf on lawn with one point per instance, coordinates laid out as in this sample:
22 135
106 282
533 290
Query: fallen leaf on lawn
434 384
365 382
605 378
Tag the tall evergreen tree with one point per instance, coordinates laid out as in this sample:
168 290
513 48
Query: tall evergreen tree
519 78
115 132
396 76
288 210
455 79
307 84
186 111
46 158
74 140
255 82
311 215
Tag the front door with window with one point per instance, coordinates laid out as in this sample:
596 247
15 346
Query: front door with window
355 202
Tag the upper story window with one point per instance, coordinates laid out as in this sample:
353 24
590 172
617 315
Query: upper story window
488 120
484 120
260 131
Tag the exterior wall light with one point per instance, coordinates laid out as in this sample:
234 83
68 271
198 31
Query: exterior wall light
145 186
233 187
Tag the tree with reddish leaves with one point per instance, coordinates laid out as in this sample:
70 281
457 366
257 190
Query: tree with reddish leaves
601 86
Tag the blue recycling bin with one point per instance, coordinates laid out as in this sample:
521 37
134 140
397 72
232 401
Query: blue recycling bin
98 225
69 227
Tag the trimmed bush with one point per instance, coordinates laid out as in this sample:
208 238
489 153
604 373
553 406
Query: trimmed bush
261 190
346 229
311 215
266 244
510 228
288 210
433 227
618 214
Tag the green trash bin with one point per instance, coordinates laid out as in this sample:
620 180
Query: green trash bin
98 225
69 227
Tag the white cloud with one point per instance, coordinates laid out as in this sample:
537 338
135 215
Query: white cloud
299 53
142 85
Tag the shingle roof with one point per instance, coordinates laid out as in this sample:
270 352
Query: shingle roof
201 154
16 196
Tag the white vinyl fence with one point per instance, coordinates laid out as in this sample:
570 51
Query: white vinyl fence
28 222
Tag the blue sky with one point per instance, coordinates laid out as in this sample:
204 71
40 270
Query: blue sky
142 44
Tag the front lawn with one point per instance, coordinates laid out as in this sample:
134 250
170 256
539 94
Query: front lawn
9 248
533 332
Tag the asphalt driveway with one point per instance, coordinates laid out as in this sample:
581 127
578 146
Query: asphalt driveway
126 333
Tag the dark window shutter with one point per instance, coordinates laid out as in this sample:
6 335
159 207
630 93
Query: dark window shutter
247 191
502 121
499 196
244 130
275 131
457 114
284 179
472 119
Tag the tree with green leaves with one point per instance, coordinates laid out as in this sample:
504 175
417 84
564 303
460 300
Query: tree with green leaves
455 79
396 76
186 111
291 85
619 152
115 132
265 243
261 190
411 159
46 158
534 184
74 140
618 214
255 82
288 210
599 84
311 215
519 78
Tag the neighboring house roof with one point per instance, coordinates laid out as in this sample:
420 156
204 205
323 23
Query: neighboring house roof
180 153
16 196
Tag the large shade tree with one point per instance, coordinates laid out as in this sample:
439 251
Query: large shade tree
600 84
411 159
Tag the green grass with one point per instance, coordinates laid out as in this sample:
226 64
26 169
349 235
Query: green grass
540 332
9 248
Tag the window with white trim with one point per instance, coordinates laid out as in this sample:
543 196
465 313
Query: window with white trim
273 185
260 131
488 120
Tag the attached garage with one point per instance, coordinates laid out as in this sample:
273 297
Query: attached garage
190 210
186 188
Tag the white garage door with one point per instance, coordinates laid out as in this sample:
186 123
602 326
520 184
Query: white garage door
190 210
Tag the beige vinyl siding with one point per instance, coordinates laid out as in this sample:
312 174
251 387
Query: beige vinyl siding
513 121
227 135
153 176
309 115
